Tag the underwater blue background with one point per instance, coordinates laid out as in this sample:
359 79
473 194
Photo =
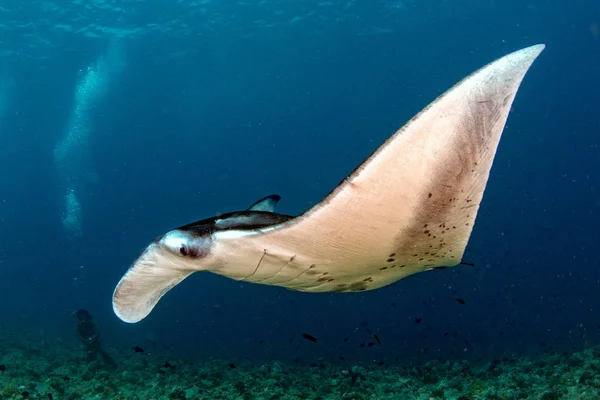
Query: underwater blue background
203 107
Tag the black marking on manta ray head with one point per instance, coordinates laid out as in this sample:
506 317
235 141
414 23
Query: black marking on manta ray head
238 220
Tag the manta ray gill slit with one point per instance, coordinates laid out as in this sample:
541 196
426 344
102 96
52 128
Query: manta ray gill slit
257 265
266 280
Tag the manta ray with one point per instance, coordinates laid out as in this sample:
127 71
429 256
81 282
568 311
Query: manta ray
409 207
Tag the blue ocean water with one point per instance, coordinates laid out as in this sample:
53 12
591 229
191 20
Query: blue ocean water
121 120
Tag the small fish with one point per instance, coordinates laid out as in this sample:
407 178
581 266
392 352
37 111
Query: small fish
346 339
167 365
380 363
138 349
342 358
461 301
231 365
309 337
50 396
371 344
418 320
377 338
2 368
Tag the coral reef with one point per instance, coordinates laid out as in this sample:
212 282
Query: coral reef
30 370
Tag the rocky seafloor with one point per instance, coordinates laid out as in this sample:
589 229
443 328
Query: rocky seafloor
35 370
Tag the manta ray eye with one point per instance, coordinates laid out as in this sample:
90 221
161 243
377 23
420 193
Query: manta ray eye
188 251
184 244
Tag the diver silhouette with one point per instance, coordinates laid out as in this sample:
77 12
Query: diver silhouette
89 337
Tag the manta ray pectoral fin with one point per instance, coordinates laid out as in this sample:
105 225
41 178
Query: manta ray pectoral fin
411 206
267 203
153 274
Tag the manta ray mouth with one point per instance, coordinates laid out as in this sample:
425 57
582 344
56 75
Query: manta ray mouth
409 207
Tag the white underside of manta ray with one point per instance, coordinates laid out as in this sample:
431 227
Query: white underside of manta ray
409 207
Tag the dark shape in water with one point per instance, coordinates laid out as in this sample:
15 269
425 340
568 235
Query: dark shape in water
2 368
89 336
310 338
418 320
231 365
138 349
461 301
377 338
